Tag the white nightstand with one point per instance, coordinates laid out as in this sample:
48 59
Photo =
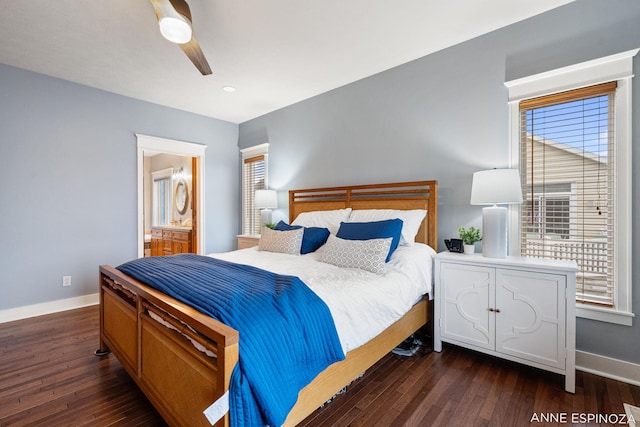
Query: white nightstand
520 309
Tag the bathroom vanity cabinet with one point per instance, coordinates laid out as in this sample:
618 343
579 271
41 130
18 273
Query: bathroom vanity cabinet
171 240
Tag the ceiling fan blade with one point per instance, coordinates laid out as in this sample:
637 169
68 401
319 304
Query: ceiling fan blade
191 48
195 54
182 8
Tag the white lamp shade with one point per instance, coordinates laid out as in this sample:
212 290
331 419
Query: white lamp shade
496 186
266 199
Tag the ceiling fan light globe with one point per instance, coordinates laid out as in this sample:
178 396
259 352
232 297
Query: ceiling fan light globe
175 30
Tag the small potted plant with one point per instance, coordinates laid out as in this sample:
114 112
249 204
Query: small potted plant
469 238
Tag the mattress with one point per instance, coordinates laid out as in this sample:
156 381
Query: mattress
362 303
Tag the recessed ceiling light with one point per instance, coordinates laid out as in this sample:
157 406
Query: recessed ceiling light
228 88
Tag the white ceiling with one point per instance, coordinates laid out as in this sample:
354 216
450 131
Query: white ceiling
275 52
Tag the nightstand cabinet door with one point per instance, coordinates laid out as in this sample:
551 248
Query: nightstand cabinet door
467 294
531 321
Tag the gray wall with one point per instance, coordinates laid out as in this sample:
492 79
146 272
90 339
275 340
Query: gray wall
68 199
444 117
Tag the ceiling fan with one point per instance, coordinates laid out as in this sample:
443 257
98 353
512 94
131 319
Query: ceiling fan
174 19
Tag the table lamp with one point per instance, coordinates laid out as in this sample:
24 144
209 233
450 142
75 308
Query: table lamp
495 187
265 200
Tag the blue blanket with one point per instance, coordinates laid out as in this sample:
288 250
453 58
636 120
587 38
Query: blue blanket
287 334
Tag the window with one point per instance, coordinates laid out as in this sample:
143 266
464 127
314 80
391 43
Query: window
567 142
254 177
161 197
571 139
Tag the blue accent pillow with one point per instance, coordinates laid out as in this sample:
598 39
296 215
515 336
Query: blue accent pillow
373 230
312 239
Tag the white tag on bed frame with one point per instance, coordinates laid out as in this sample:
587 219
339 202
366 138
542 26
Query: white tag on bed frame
218 408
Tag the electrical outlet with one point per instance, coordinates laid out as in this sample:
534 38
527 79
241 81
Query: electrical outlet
66 281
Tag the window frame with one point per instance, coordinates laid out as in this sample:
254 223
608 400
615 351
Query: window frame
618 67
261 150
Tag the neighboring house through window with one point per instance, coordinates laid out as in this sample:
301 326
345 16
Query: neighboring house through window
254 177
571 139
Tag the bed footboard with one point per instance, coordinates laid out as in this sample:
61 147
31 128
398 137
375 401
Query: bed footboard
179 380
150 332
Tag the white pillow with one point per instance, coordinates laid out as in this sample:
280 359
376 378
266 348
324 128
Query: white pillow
367 255
411 220
324 219
286 242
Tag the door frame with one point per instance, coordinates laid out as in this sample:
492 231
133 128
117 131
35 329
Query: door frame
147 143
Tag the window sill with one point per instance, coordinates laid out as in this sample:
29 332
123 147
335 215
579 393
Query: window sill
601 314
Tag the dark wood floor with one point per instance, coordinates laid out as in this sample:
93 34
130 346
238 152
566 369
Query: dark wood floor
49 376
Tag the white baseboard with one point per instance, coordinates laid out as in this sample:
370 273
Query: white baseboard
27 311
608 367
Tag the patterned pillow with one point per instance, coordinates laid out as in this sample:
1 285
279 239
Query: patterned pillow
286 242
373 230
367 255
312 239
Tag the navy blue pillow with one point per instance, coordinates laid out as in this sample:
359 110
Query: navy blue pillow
312 239
283 226
373 230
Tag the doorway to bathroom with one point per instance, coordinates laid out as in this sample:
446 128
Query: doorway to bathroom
170 196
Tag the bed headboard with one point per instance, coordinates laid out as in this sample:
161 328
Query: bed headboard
401 195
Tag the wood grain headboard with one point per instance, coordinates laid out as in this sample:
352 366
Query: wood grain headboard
401 195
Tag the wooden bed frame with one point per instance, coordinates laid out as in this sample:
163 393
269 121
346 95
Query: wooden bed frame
181 381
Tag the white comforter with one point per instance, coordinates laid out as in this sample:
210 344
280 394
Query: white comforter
362 304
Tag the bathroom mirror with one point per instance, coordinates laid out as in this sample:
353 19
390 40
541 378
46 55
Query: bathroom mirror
182 197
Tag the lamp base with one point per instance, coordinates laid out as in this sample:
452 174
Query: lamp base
494 235
265 216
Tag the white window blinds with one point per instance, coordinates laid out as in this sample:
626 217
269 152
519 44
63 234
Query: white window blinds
253 178
568 179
